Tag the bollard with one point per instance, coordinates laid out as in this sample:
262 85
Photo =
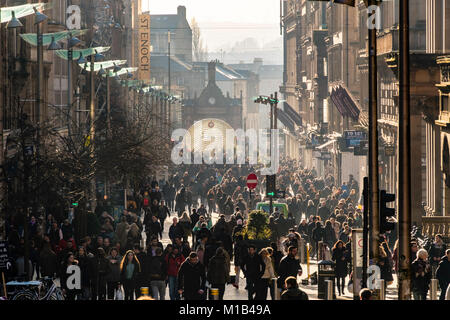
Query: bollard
329 289
302 250
144 291
308 250
320 251
275 289
381 288
433 289
215 294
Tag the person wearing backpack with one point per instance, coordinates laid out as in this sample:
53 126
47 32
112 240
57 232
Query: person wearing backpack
157 272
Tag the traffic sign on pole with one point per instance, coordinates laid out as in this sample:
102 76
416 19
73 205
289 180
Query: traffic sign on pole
252 181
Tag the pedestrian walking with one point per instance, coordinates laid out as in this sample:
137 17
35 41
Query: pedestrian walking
421 275
174 261
339 256
129 270
113 279
253 267
192 278
157 271
443 274
289 267
266 279
218 274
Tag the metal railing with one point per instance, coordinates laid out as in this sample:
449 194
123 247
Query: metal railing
436 225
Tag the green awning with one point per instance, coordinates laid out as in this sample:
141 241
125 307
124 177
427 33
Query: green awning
104 64
31 38
110 73
131 83
64 54
22 10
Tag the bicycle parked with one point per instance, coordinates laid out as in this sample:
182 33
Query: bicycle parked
42 289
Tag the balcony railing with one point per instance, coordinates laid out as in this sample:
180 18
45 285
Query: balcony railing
436 225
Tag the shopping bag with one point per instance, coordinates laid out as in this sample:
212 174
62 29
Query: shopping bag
119 294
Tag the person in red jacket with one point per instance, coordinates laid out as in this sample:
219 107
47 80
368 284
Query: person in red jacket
174 261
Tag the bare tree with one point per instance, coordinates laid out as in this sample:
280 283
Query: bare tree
200 52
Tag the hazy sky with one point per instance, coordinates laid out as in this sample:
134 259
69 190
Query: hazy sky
225 22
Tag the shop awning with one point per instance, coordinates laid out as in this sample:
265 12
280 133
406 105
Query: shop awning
31 38
285 120
292 114
22 10
326 144
345 103
64 53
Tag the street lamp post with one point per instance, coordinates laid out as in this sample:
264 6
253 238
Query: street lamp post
404 157
71 42
92 126
169 85
373 144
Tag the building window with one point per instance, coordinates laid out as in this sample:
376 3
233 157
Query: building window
444 103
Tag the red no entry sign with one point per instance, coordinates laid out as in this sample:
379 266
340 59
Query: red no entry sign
252 181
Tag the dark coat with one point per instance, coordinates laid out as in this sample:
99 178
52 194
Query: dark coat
136 271
341 265
294 294
176 231
289 266
420 282
115 268
218 270
253 267
48 262
191 278
443 272
318 234
157 268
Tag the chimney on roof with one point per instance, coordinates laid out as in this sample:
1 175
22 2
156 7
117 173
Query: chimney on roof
257 64
212 72
181 11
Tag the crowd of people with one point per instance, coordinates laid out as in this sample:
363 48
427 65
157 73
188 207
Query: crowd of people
122 255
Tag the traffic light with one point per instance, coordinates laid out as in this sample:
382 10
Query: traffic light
386 212
271 186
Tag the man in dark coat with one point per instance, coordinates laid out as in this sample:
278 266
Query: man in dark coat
443 273
157 273
141 280
192 278
253 267
219 272
292 291
175 230
100 270
164 212
289 267
153 228
48 261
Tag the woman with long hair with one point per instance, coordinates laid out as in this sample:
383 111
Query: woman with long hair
269 273
185 223
130 267
340 258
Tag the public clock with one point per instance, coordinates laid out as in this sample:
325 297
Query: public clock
212 100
